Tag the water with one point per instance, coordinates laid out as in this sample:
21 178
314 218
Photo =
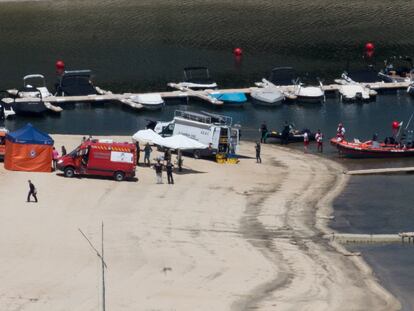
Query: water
142 45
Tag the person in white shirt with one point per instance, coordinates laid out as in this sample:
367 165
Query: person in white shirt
319 140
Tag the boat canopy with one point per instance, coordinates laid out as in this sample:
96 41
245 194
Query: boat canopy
283 76
199 75
76 83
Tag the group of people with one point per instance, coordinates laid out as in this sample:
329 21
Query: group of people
56 156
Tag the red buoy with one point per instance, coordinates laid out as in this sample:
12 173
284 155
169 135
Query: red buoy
369 47
395 125
60 65
237 51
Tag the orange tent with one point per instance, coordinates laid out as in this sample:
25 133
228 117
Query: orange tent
28 149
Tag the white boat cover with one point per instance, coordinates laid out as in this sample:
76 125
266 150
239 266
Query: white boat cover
182 142
268 95
148 136
148 99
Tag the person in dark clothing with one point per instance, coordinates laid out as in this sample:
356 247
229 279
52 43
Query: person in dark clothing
167 155
32 192
258 150
158 171
64 152
170 168
263 131
138 152
147 154
285 134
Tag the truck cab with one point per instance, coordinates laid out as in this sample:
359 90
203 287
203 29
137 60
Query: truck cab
3 133
100 158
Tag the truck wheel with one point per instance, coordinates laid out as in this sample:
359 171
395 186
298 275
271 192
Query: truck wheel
69 172
196 154
119 176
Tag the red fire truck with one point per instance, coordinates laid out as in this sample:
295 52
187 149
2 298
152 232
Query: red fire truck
100 158
3 133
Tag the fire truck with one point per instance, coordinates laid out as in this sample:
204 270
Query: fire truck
3 133
100 158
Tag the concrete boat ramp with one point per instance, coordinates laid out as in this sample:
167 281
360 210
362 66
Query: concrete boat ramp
378 171
182 92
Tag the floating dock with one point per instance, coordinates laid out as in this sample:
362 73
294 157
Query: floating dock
374 171
351 238
183 92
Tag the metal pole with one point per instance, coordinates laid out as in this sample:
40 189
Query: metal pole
103 270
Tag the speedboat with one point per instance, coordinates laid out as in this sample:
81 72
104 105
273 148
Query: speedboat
198 78
293 135
30 99
235 99
410 88
286 76
397 69
149 101
372 149
76 83
34 85
354 86
267 96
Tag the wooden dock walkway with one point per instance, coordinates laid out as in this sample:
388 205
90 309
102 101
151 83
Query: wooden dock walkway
350 238
391 170
183 92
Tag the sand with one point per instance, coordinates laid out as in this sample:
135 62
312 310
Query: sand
224 237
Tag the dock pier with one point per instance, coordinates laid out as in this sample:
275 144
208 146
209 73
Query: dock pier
356 238
376 171
184 92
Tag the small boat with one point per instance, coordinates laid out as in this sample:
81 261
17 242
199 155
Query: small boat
235 99
267 96
351 87
149 101
397 69
372 149
304 92
198 78
410 88
76 83
34 85
293 135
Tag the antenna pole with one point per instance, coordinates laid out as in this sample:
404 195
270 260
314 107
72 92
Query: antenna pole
103 270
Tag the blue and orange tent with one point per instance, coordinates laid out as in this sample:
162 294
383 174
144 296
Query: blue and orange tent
28 149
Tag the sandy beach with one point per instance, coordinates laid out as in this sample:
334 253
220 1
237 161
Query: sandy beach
224 237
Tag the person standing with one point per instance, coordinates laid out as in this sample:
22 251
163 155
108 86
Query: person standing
32 192
285 134
305 141
170 168
319 140
138 152
55 157
340 132
258 150
263 131
179 161
64 152
158 171
147 154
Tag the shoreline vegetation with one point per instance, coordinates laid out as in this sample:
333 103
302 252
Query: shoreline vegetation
224 237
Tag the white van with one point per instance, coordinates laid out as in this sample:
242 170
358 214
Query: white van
213 130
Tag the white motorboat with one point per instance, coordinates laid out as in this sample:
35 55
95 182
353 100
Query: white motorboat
34 85
354 90
286 76
198 78
269 96
152 101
